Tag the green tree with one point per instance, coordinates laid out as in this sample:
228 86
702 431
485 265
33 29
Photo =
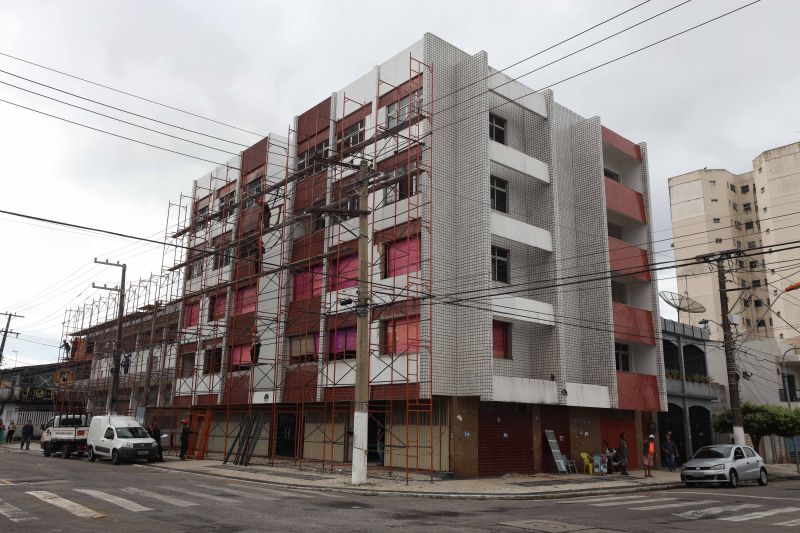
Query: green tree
761 420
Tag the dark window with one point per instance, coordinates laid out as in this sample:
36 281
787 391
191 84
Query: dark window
733 187
352 136
718 241
196 269
109 434
497 128
227 202
610 174
748 225
405 186
202 213
500 268
212 360
735 206
404 109
751 245
747 207
186 365
716 221
745 188
253 192
622 356
615 231
499 194
618 293
756 283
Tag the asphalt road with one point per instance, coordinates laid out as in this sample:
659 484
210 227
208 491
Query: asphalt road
38 493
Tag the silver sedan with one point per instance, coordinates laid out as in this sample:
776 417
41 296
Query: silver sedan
725 464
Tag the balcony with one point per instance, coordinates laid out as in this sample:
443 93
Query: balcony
632 324
628 259
637 392
625 201
693 390
516 160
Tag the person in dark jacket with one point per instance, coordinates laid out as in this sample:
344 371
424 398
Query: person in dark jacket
27 435
622 448
185 432
155 434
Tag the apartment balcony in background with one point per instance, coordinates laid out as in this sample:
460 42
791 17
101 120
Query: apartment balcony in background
637 392
632 324
625 201
628 259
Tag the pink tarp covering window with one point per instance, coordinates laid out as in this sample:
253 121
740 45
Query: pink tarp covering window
246 300
344 273
241 354
342 341
308 283
192 314
218 306
401 335
500 339
402 256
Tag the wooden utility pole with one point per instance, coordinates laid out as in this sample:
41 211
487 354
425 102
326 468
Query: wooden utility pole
117 354
361 408
6 332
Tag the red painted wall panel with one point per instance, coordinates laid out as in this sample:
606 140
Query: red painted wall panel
300 384
625 201
610 429
376 392
632 324
637 392
628 259
615 140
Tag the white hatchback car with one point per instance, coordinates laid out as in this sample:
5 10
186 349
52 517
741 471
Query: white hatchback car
726 464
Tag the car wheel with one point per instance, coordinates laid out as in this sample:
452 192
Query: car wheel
762 477
733 479
91 455
46 450
65 451
115 457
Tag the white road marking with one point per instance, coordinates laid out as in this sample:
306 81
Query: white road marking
69 506
711 511
15 514
116 500
160 497
188 492
734 494
671 505
629 502
598 499
760 514
789 523
237 492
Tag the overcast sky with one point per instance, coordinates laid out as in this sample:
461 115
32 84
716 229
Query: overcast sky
715 97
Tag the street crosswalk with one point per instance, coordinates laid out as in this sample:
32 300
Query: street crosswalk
93 503
695 509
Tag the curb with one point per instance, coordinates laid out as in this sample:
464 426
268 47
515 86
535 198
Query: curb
439 495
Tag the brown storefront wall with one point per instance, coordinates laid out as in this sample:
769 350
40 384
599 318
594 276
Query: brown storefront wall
505 439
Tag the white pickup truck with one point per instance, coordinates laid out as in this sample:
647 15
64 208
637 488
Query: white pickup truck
65 434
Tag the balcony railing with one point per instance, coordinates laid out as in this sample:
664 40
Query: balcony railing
625 201
628 259
637 392
632 324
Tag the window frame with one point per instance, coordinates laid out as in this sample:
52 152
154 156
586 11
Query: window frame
498 124
500 256
507 336
498 186
211 363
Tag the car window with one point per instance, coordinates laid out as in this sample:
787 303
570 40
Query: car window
50 423
132 433
713 452
109 434
749 452
738 454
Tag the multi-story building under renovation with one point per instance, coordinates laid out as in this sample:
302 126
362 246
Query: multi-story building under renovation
509 289
756 212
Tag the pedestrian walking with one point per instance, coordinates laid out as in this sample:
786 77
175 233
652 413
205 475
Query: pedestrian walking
185 432
670 450
12 428
380 443
2 431
648 455
27 435
622 449
155 433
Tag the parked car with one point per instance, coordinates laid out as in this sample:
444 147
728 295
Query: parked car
65 434
725 464
121 438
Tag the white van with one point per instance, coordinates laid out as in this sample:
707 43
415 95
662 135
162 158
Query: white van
120 437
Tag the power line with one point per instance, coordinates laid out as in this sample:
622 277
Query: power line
130 94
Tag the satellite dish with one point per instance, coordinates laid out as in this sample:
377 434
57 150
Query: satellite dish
682 302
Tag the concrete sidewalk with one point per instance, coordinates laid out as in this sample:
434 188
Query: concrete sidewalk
385 483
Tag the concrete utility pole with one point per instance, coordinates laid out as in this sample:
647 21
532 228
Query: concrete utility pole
785 379
361 411
730 359
117 355
6 332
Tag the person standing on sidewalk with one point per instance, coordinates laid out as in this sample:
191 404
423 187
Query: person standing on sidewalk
12 428
670 449
622 448
27 435
2 431
185 432
648 455
155 433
